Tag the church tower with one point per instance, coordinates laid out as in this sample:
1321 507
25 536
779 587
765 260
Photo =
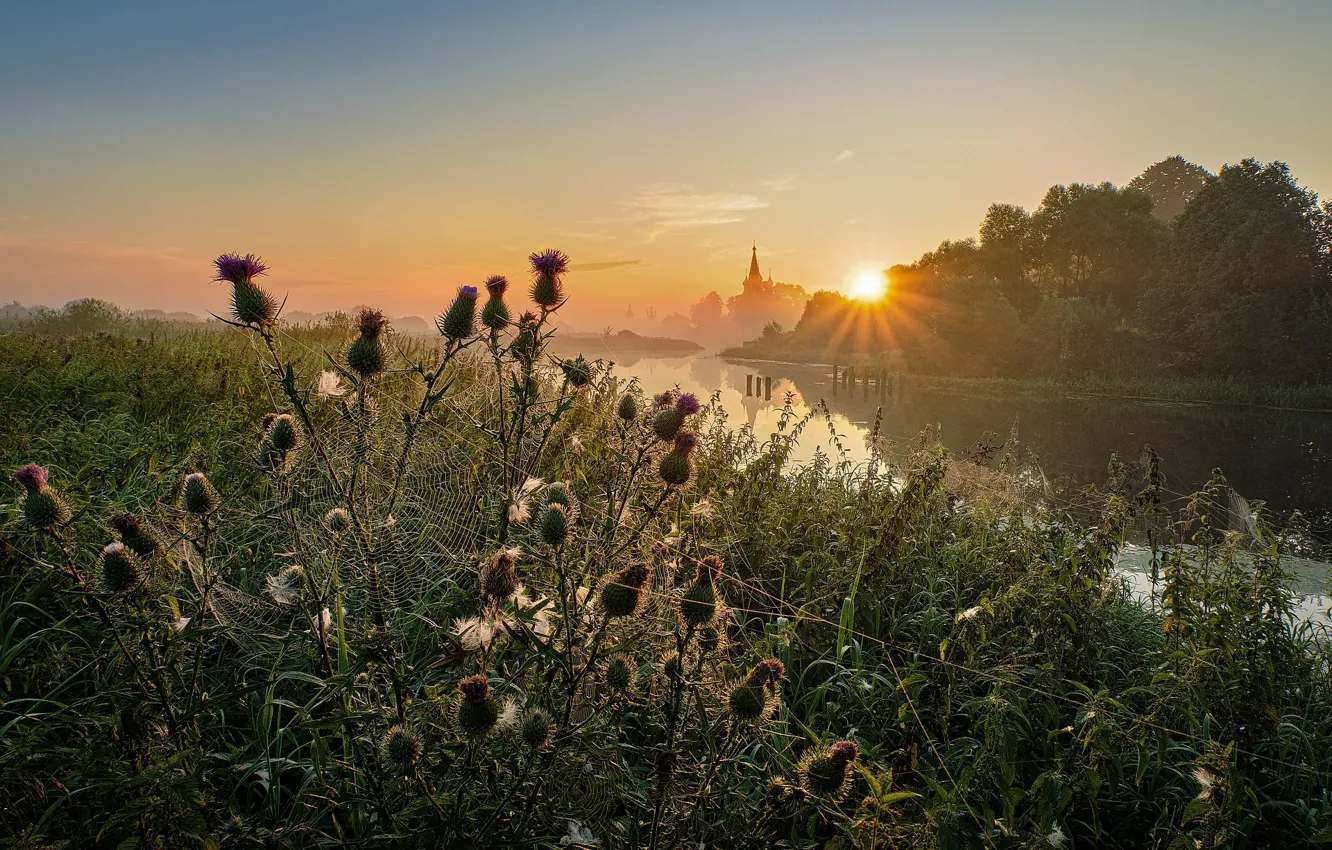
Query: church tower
755 276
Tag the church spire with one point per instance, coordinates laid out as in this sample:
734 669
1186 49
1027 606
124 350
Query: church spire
754 273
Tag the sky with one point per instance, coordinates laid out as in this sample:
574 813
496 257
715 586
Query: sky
386 153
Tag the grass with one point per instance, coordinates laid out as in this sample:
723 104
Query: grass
1002 687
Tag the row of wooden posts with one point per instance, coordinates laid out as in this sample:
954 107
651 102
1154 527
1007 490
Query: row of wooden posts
882 380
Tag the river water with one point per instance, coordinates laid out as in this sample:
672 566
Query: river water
1278 458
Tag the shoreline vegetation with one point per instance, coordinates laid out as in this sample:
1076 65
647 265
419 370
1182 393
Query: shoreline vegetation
1114 388
313 587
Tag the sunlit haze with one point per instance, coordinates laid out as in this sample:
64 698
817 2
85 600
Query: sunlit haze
387 153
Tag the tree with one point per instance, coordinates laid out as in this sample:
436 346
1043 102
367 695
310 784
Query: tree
1170 184
1005 241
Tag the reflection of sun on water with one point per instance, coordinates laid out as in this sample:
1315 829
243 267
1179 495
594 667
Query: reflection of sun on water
868 284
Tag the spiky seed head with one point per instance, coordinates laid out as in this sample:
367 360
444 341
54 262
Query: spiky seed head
748 702
459 321
618 675
525 344
698 606
495 315
337 521
402 749
283 435
627 408
673 667
477 712
535 730
499 576
675 468
43 508
687 404
825 774
769 672
32 477
198 496
667 423
621 592
142 539
547 267
365 356
557 493
554 524
577 372
267 421
120 572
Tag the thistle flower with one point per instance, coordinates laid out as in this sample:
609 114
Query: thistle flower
687 404
250 304
499 576
198 496
366 355
284 587
143 540
535 730
495 315
627 409
825 774
119 571
663 399
554 524
547 267
698 606
620 594
675 468
477 711
402 749
577 372
618 675
42 506
337 521
459 321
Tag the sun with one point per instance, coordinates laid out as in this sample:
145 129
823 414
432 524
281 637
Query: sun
868 284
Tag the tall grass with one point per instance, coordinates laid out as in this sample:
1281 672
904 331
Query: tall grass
471 594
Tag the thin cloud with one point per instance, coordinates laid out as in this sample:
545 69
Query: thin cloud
780 184
845 155
601 267
672 207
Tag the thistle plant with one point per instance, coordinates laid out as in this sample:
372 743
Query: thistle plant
42 506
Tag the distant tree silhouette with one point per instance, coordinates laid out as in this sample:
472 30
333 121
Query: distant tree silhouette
1170 184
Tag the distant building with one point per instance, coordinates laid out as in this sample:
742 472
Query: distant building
762 301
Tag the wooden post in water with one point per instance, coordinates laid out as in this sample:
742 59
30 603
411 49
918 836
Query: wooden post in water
749 385
867 380
834 379
767 388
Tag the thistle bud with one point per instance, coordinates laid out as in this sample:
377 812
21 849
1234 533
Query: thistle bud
499 576
198 496
627 408
547 267
698 606
675 469
283 435
525 344
119 571
495 315
142 539
620 594
754 697
459 321
42 506
402 749
825 774
535 730
337 521
250 304
477 710
673 667
554 524
667 423
618 675
577 372
366 355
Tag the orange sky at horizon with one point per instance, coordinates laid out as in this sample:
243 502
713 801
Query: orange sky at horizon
386 156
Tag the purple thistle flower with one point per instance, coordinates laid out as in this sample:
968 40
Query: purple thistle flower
549 262
497 285
467 292
237 269
685 442
32 477
687 404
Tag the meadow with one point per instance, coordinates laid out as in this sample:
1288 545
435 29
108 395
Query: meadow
271 586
